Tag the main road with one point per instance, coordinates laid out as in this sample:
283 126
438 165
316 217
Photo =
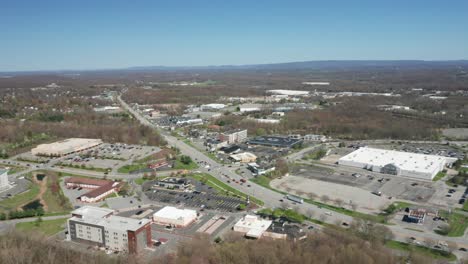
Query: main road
272 198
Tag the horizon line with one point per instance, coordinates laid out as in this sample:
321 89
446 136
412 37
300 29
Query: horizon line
227 65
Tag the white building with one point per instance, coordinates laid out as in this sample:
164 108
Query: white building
244 157
174 217
412 165
99 226
234 136
267 121
315 83
245 108
252 226
212 107
288 92
65 147
4 179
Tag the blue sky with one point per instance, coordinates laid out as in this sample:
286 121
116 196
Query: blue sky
66 34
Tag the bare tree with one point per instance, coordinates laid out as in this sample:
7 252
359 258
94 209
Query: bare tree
324 198
339 202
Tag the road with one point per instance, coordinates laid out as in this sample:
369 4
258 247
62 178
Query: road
272 198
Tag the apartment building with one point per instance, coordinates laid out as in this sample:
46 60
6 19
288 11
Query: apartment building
100 227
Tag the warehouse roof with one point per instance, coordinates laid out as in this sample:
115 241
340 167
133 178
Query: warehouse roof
174 213
403 160
288 92
66 146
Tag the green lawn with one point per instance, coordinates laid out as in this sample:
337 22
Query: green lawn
458 223
222 187
132 167
20 199
178 165
82 167
432 253
48 227
439 176
465 206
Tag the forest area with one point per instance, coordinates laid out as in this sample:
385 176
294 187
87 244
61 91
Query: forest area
331 246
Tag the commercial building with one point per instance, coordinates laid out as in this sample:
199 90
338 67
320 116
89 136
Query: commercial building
65 147
245 108
275 141
230 149
212 107
281 230
234 136
259 170
100 227
99 189
4 184
245 157
252 226
174 217
412 165
173 183
288 92
214 144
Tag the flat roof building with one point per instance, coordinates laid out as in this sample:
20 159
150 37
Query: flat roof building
244 157
65 147
412 165
233 136
175 217
252 226
99 226
288 92
275 141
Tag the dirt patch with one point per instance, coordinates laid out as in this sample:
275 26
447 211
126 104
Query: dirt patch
42 189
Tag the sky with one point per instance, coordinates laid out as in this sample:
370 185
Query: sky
105 34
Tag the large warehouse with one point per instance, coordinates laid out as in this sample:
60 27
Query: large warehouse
65 147
406 164
174 217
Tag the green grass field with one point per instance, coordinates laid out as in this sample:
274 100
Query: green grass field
458 223
132 167
432 253
222 187
178 165
20 199
439 176
48 227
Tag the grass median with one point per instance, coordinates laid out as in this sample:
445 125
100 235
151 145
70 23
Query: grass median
432 253
223 187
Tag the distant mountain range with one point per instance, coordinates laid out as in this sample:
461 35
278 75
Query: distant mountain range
303 65
316 65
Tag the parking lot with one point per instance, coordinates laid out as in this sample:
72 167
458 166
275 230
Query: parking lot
389 185
203 196
18 185
108 155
